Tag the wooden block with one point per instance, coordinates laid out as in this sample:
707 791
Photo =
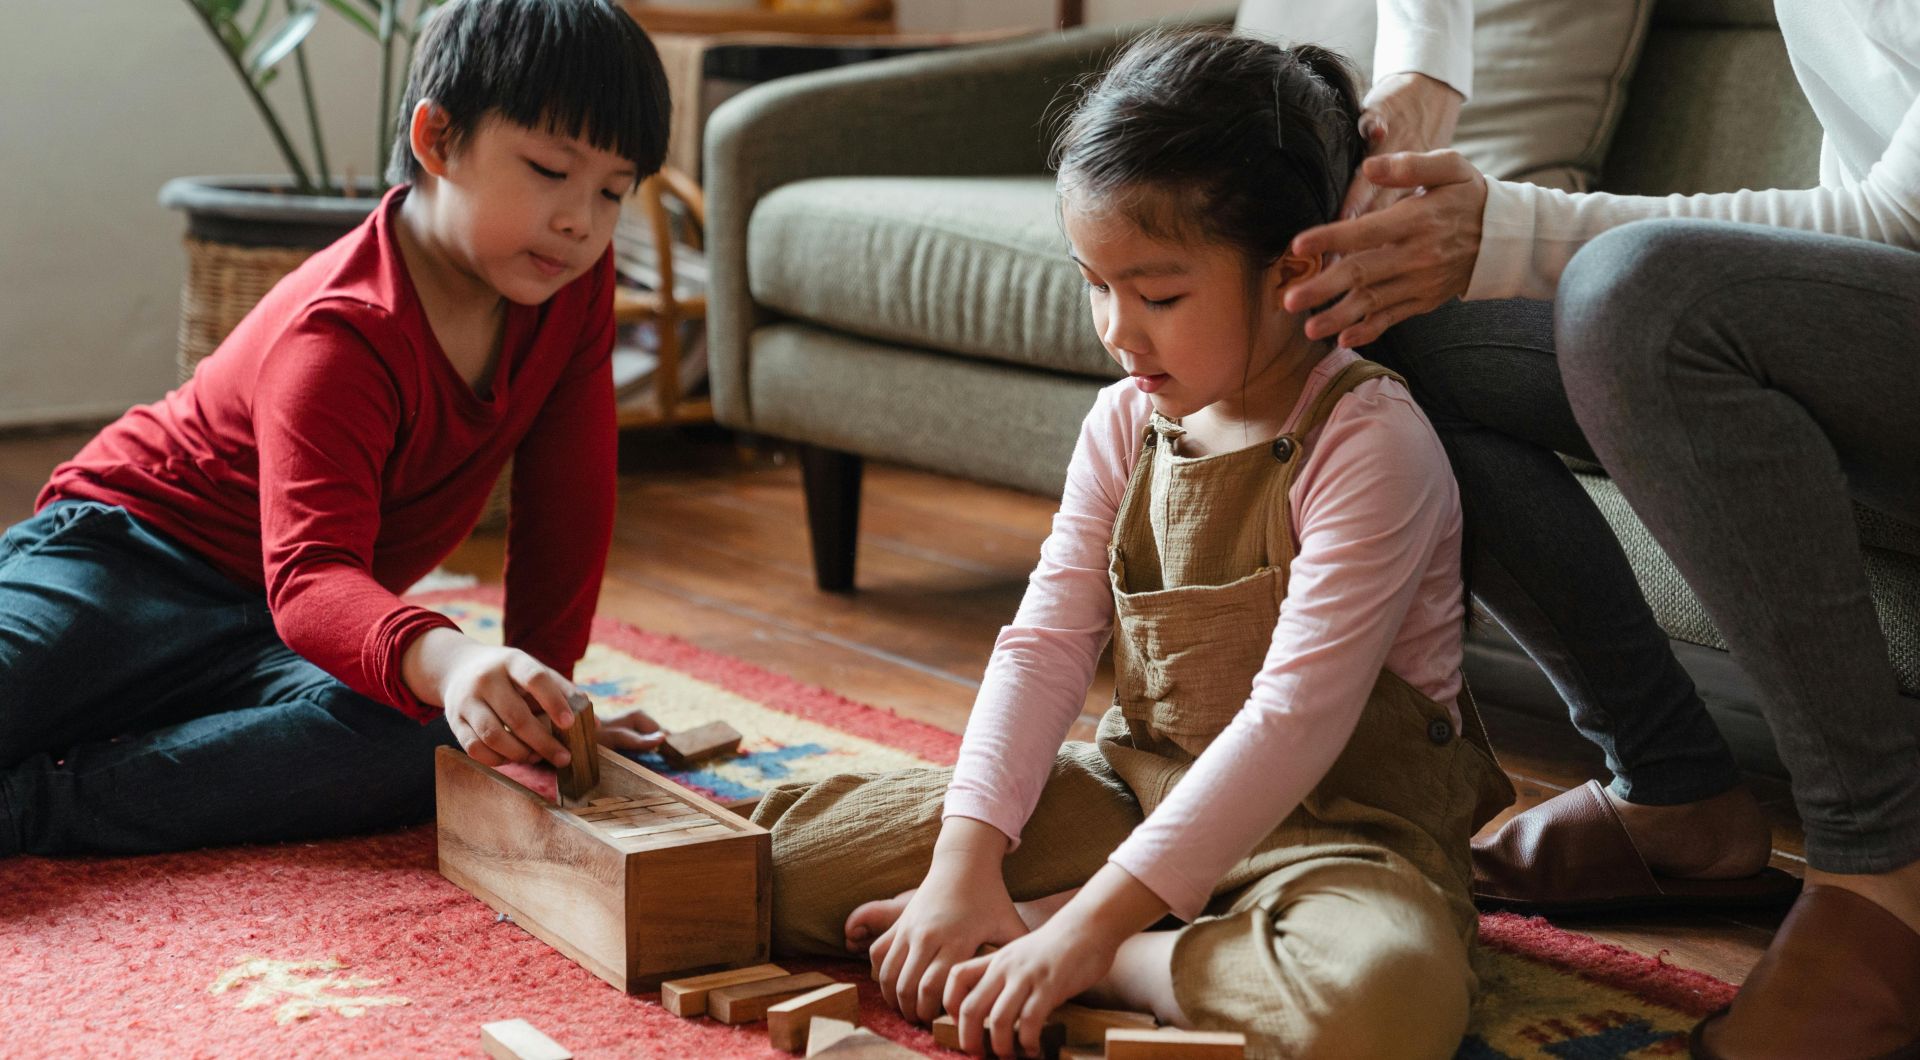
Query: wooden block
688 997
748 1002
1084 1052
788 1021
632 911
1089 1026
693 746
1168 1043
823 1031
519 1040
946 1034
582 774
866 1045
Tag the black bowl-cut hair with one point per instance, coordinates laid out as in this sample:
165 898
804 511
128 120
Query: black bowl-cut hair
579 68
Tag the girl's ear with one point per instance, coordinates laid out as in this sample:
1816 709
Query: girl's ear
1290 269
427 135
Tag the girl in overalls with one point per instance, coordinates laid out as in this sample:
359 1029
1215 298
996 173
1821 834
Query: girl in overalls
1268 529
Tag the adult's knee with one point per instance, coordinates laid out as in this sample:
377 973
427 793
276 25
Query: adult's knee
1621 299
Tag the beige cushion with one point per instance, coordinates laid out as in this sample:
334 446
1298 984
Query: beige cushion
1548 75
975 266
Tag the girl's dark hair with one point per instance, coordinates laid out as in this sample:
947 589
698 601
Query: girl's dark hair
580 68
1233 139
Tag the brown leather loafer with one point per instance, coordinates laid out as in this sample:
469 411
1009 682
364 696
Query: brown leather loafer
1840 982
1572 854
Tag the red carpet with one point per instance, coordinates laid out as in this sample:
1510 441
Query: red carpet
359 947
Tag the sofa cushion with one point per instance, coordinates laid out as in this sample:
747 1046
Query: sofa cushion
1548 75
975 266
1891 550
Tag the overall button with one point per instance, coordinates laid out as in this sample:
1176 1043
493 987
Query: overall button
1439 731
1283 448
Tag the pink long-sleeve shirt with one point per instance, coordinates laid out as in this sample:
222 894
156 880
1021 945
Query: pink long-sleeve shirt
1375 585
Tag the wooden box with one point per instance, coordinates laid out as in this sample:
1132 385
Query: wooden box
651 883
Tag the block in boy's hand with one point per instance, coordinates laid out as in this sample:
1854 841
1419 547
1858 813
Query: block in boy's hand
582 772
688 748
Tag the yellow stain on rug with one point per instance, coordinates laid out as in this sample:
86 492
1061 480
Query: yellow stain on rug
298 991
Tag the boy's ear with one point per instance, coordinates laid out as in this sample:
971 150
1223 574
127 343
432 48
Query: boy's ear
427 135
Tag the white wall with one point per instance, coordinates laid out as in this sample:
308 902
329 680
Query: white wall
100 104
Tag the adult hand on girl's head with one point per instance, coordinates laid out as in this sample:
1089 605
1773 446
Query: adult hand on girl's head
1400 262
1001 1001
633 731
1404 112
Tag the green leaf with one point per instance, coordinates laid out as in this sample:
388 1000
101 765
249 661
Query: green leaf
346 9
283 40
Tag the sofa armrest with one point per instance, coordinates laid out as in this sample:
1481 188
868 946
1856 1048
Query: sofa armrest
974 111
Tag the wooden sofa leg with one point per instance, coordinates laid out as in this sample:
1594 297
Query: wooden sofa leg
832 480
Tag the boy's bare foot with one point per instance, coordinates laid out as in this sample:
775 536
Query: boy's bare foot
1724 837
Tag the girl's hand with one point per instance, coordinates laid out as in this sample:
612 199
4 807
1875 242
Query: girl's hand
961 905
1404 112
632 731
1398 262
1001 1001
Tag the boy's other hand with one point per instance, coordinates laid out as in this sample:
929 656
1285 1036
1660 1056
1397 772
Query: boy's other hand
633 731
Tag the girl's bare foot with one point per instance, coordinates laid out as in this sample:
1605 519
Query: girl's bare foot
1720 838
1141 979
871 920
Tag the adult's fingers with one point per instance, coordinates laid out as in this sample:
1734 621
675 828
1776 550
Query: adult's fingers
1378 322
1360 233
621 738
1361 301
1418 169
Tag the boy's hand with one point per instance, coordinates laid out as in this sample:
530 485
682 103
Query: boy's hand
496 699
1001 1001
632 731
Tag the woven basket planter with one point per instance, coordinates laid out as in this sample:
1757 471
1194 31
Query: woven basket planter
244 234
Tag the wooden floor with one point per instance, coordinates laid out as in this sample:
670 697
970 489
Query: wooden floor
711 546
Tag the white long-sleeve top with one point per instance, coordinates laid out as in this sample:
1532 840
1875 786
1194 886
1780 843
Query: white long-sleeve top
1858 61
1376 584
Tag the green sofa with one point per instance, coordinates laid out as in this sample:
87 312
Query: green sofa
890 282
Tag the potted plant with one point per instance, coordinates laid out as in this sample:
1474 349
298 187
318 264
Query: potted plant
245 233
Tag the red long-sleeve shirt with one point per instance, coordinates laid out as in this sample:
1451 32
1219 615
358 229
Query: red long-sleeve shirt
330 455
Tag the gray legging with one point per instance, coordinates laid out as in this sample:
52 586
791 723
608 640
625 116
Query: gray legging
1741 385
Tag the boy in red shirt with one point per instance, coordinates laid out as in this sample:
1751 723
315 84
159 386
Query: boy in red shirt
200 637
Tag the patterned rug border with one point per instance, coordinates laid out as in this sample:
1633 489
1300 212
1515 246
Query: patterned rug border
1651 979
748 680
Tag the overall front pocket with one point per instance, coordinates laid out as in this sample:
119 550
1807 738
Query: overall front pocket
1185 658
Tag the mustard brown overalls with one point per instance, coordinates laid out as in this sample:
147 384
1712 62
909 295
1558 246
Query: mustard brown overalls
1347 931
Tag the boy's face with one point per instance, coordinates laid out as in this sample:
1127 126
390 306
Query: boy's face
523 210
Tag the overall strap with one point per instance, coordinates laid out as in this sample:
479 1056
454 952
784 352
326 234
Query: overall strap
1290 450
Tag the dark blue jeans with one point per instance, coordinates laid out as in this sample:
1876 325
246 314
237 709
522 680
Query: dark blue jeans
147 704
